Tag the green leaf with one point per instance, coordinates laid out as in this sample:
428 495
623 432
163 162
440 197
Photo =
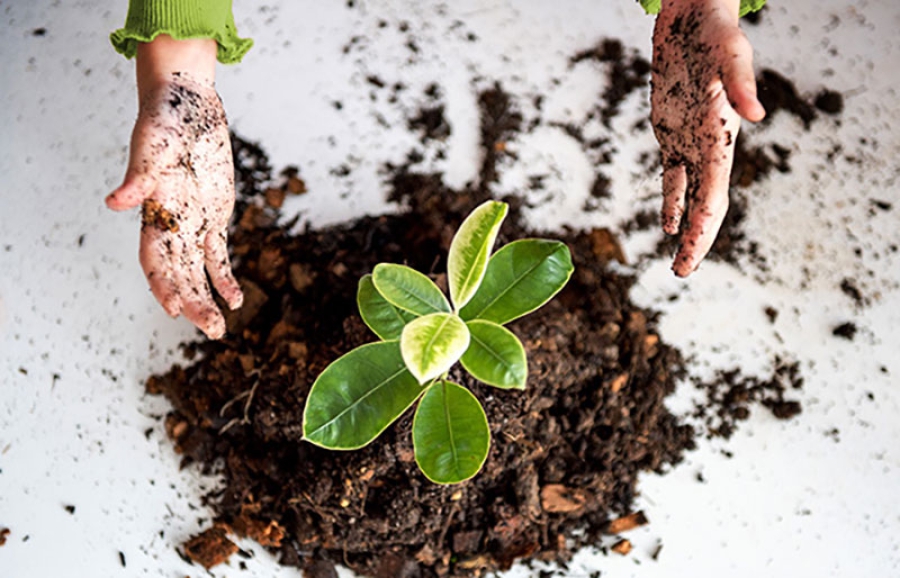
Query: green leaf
358 396
470 250
430 345
748 6
650 6
408 289
520 278
495 355
450 432
377 312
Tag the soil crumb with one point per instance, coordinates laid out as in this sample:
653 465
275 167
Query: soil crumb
845 330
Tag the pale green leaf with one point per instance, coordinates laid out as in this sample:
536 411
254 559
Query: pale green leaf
451 437
650 6
408 289
358 396
520 278
470 250
746 6
431 344
386 320
495 355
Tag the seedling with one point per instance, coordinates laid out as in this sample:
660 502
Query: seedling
423 334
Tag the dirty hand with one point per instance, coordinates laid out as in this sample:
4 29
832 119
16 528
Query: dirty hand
702 84
180 172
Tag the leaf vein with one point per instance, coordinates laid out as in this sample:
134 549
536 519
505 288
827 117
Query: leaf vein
357 402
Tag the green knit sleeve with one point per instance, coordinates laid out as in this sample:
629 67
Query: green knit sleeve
181 19
747 6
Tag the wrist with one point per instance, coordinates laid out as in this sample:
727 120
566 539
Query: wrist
163 58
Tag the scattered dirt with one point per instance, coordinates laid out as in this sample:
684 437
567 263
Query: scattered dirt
729 397
830 102
4 534
849 288
628 71
845 330
776 92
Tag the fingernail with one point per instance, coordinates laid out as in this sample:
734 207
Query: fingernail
172 307
216 329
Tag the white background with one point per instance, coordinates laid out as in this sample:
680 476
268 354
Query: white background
80 332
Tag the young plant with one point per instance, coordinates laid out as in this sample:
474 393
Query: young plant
423 335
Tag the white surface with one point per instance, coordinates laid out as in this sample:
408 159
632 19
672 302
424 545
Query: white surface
79 332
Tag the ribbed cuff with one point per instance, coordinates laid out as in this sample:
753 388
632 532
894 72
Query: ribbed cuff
181 19
747 6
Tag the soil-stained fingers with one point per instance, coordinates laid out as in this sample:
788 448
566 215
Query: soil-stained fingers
160 252
708 207
198 305
218 265
736 55
674 187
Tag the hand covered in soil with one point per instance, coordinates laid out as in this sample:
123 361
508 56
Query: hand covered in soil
702 84
181 174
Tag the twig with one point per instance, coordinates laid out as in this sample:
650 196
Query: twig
246 419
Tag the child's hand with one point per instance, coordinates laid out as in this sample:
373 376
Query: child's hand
180 172
702 83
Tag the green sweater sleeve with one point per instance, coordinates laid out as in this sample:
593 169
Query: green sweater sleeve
747 6
181 19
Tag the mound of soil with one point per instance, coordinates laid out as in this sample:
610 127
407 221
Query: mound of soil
566 452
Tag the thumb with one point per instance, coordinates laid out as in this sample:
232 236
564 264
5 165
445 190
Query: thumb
738 77
133 191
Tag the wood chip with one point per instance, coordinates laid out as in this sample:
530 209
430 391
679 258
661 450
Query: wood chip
295 186
254 299
301 276
298 350
651 345
619 382
558 499
271 263
622 547
274 197
269 534
605 246
626 523
467 542
210 548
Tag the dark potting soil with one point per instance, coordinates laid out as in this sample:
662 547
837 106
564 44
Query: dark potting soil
566 452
